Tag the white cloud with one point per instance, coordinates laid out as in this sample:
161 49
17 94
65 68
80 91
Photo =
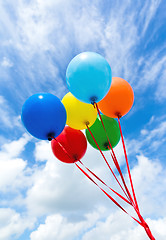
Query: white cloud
47 35
58 227
8 118
50 185
5 116
52 191
153 137
148 12
118 227
159 132
153 74
149 182
15 177
13 168
60 189
117 44
12 224
14 148
161 88
6 62
43 151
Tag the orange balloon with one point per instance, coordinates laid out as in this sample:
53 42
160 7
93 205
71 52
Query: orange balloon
118 100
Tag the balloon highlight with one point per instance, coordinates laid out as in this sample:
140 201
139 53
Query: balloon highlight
98 132
70 146
118 100
88 77
79 114
43 115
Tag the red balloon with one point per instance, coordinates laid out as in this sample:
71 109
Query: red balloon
70 146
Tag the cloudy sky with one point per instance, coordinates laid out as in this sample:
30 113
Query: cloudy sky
40 197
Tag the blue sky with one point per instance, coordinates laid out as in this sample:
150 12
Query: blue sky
37 41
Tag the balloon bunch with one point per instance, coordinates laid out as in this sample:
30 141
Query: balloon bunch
94 101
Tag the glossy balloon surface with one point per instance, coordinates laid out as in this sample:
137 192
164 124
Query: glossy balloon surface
70 146
88 77
118 100
43 115
98 132
78 113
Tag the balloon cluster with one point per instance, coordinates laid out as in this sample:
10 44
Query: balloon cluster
93 102
89 80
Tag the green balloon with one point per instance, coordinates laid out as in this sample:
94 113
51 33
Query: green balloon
112 129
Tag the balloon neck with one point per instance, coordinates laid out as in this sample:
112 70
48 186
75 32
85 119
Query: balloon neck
118 115
93 100
87 123
75 157
50 136
106 145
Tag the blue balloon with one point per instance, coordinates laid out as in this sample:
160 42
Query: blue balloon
89 77
44 116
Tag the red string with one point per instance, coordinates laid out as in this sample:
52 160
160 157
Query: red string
106 184
142 223
112 199
92 173
98 179
145 225
65 151
128 168
147 229
121 175
114 158
106 161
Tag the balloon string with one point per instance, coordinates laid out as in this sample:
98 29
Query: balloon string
145 225
65 151
93 173
128 168
96 177
134 203
106 160
112 199
121 175
119 195
142 223
114 157
149 233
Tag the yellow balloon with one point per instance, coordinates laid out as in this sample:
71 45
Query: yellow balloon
79 114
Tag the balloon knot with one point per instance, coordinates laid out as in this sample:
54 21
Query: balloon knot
106 144
87 123
50 136
93 100
118 114
75 157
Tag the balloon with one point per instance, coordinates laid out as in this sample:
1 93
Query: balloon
88 77
78 113
112 129
118 100
43 115
70 146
